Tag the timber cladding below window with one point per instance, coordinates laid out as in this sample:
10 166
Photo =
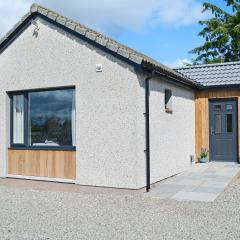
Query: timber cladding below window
202 114
42 163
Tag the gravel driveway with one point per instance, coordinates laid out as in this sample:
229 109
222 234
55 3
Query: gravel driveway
36 214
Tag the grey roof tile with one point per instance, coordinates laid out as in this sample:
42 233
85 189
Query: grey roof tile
91 35
135 58
43 11
213 74
81 30
113 47
122 50
101 40
52 16
34 8
61 20
71 25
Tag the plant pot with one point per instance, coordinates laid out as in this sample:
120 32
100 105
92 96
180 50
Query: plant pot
204 160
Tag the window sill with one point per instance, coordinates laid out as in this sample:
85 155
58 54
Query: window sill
170 111
46 148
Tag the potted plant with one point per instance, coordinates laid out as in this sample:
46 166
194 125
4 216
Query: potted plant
204 156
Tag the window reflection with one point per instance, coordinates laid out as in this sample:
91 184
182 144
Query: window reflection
52 118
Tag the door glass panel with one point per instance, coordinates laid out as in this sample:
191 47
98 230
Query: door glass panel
218 123
229 123
229 107
217 107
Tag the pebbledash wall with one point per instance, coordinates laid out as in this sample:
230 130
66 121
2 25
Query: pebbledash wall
172 135
110 106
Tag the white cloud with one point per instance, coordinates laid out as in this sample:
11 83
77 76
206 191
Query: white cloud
106 15
112 16
177 63
178 12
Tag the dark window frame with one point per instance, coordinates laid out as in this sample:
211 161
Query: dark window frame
26 145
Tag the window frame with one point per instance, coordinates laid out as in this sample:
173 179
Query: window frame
25 145
11 120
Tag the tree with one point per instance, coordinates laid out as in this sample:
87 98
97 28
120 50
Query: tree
222 34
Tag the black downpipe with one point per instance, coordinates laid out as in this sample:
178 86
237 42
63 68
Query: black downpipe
147 127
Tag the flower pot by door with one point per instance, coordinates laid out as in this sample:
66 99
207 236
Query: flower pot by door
204 160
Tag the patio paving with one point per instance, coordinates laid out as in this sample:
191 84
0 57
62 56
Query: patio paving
202 182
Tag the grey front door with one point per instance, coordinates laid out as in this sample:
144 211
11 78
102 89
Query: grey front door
223 130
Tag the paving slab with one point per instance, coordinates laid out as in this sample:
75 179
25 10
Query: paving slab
215 184
213 190
201 182
195 196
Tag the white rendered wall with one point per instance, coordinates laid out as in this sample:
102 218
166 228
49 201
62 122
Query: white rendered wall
109 109
172 136
106 102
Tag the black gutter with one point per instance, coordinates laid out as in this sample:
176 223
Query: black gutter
147 129
170 76
179 80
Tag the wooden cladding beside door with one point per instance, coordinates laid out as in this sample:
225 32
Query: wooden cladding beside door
42 163
202 114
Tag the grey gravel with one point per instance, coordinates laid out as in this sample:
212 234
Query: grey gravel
37 214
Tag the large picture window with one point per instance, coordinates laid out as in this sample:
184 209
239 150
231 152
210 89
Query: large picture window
44 118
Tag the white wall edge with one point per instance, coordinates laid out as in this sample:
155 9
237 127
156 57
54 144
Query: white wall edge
60 180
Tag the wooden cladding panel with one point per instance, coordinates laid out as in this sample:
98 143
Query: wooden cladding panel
202 114
42 163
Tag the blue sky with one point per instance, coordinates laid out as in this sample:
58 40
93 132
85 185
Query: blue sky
168 44
163 29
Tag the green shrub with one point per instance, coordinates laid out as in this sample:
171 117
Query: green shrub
204 153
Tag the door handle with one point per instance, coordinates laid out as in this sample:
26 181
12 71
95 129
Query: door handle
212 132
